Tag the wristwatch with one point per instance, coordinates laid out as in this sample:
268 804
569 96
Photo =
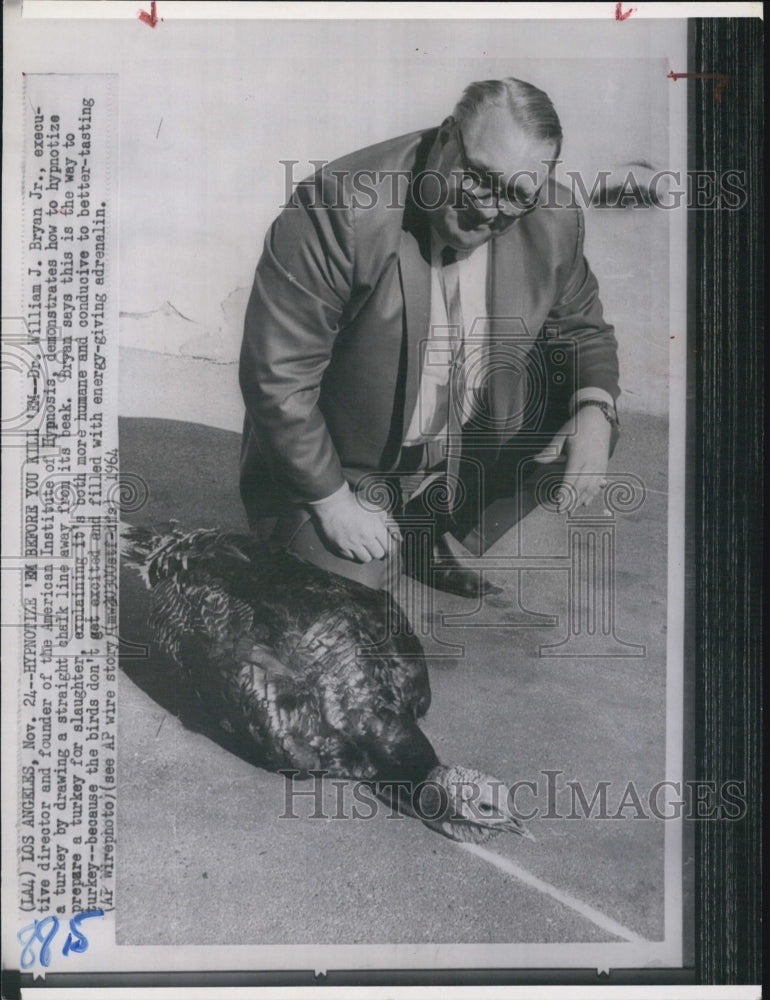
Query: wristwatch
610 413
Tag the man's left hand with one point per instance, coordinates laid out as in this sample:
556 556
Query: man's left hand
585 439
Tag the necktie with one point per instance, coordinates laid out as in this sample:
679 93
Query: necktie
450 285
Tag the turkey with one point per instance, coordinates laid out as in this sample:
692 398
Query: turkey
266 645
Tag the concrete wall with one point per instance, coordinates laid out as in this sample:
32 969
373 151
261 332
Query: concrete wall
206 120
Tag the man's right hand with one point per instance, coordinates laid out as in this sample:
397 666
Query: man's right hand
353 532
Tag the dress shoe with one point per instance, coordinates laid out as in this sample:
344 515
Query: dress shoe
444 571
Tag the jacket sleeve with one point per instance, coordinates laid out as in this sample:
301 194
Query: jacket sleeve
577 315
301 287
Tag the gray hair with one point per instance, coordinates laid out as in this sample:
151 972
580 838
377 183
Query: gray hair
529 107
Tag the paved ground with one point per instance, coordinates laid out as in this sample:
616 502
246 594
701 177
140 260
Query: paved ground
203 855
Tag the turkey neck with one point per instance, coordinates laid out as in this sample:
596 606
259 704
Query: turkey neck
401 752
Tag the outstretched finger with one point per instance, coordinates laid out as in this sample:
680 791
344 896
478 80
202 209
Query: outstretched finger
565 495
570 487
590 488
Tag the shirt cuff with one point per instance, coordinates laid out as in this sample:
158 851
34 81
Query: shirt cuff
590 392
332 496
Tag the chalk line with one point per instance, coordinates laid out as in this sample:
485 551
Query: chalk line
589 912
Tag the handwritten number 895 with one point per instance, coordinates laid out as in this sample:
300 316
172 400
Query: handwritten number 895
44 931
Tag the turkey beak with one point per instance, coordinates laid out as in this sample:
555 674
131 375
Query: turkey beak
233 551
514 825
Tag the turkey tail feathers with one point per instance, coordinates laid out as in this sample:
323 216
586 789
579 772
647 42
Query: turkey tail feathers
157 554
137 545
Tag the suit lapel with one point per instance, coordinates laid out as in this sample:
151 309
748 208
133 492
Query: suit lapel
414 268
414 272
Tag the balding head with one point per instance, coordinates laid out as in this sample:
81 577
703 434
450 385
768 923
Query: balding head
529 107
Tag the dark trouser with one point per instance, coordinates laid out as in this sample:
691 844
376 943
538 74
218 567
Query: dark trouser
498 489
495 493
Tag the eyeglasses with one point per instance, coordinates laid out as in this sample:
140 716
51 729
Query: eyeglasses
489 196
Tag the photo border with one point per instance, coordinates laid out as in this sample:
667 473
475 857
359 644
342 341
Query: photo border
726 300
723 541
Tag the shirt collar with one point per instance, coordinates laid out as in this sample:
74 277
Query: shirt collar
436 246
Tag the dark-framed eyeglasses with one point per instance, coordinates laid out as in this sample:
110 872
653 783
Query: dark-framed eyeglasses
483 190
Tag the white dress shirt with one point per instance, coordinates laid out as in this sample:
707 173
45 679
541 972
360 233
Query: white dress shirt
429 420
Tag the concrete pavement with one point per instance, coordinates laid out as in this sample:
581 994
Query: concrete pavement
203 856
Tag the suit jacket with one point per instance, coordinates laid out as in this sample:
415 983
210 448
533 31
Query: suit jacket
331 357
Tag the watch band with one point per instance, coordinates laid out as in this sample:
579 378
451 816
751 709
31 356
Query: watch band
610 413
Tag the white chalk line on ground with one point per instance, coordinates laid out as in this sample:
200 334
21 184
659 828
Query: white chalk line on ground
589 912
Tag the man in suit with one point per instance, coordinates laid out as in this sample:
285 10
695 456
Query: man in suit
422 315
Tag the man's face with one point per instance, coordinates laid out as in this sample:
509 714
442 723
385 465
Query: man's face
502 160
